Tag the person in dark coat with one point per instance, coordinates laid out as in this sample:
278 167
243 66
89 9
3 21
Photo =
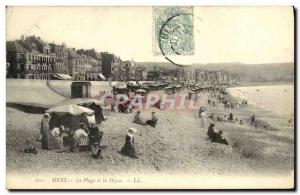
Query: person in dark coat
230 117
95 135
153 120
45 133
219 138
253 120
122 108
211 131
214 136
98 112
128 148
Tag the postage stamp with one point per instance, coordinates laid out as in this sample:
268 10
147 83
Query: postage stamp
173 31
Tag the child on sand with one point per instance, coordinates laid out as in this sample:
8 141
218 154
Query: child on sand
96 151
29 148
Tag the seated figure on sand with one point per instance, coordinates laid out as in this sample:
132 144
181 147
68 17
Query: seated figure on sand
137 118
129 148
96 151
152 122
80 138
29 147
57 135
216 136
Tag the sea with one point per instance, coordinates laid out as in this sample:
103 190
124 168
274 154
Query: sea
278 99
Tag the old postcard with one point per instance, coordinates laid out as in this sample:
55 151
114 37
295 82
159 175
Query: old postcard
168 97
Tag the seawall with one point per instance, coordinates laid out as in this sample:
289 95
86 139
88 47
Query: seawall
45 93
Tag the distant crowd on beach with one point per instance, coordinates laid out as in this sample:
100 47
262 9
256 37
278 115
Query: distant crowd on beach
221 96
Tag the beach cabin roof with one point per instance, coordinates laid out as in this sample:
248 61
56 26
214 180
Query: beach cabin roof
120 87
70 109
78 101
140 91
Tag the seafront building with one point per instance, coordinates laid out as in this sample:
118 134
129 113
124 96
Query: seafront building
76 65
32 58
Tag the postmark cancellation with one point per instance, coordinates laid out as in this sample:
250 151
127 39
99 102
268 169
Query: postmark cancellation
173 31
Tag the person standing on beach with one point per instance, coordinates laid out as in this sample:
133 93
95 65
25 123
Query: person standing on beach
45 132
230 117
203 120
253 121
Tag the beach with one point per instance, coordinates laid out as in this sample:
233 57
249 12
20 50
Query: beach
177 145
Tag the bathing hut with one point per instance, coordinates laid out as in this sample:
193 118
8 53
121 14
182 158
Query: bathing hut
81 89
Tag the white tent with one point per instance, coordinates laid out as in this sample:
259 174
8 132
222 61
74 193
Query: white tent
72 109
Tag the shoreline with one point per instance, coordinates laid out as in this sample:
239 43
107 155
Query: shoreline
257 84
268 119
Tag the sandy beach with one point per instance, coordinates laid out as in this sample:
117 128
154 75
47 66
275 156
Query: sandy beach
177 144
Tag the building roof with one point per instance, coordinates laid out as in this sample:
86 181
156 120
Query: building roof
37 39
72 53
14 46
29 46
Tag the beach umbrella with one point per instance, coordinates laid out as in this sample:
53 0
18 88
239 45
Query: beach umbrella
203 108
78 101
72 109
140 91
121 87
134 130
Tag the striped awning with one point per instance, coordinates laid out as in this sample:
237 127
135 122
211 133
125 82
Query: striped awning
62 76
102 76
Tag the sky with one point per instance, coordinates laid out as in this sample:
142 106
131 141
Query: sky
250 35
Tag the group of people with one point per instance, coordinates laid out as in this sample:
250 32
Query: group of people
64 139
224 98
82 139
138 119
215 136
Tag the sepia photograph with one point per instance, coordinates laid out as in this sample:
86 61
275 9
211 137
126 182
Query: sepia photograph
150 97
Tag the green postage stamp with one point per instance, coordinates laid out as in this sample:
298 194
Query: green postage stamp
173 31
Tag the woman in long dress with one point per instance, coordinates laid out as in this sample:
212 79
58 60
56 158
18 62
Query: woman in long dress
203 120
45 132
128 148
